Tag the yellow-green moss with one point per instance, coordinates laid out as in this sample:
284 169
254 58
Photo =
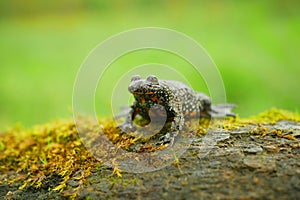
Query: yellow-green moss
273 115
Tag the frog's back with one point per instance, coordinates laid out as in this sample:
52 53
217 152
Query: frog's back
189 98
177 87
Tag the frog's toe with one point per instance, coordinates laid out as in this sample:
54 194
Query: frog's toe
126 128
165 139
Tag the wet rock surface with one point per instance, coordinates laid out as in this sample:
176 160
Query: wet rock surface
244 163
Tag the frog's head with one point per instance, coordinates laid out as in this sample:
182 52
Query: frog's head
139 86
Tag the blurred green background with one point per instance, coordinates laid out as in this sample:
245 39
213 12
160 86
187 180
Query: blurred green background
255 44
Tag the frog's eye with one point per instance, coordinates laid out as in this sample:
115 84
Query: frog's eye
135 78
152 79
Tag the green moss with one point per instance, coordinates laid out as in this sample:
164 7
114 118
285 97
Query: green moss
56 148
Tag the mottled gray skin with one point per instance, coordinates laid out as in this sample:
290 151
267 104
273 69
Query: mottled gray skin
178 100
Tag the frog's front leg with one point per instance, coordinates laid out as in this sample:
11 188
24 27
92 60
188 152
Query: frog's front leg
128 125
177 120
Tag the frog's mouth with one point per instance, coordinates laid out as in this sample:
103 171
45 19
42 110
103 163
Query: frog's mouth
142 93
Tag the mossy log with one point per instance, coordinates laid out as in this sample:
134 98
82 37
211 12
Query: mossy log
255 158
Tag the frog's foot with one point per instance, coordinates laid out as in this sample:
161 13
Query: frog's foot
165 139
222 110
126 127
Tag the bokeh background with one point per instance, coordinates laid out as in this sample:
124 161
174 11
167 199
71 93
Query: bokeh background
255 44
